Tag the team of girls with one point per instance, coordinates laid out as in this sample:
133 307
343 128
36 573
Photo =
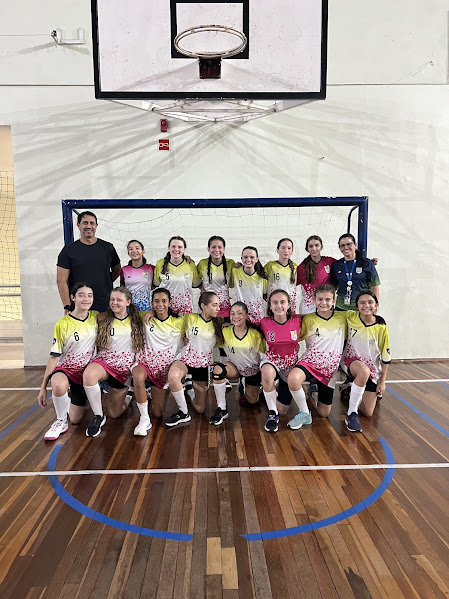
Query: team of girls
72 348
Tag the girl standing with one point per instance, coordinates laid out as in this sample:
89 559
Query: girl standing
249 283
281 330
281 273
72 349
243 345
203 332
313 272
163 339
138 275
324 334
215 273
366 358
179 277
119 338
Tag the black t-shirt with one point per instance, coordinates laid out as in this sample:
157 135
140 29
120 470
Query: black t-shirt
91 264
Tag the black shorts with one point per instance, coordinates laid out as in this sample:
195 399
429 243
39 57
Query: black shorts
77 394
325 393
114 383
284 396
199 374
370 386
254 380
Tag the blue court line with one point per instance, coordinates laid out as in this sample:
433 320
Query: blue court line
90 513
18 421
412 407
359 507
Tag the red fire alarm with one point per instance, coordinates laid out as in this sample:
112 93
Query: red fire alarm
164 144
164 125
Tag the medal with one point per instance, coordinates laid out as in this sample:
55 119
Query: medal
349 284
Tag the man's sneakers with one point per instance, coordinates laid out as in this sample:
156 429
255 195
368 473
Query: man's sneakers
271 425
300 419
353 423
218 416
57 428
94 428
177 418
143 427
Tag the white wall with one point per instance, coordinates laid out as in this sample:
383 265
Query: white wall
383 132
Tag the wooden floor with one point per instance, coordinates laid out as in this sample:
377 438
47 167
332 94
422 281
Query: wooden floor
395 546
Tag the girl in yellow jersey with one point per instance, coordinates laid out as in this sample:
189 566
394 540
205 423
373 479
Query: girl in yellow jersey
72 348
203 332
119 338
281 273
177 275
366 358
163 339
249 284
215 273
243 345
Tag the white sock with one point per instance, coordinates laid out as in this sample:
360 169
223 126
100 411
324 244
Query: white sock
180 401
355 398
94 396
61 405
300 400
220 394
143 409
270 398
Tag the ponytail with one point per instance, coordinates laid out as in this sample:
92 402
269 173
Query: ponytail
165 264
260 270
205 299
292 272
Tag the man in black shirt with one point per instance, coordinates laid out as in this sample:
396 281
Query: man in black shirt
90 260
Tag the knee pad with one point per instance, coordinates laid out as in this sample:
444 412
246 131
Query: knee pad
223 373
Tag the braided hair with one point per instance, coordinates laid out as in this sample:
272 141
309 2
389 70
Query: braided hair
258 265
309 264
290 263
168 255
209 261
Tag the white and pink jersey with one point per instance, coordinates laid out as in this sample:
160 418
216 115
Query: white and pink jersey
179 280
323 269
282 343
279 277
118 358
163 339
324 344
213 279
201 341
250 289
138 280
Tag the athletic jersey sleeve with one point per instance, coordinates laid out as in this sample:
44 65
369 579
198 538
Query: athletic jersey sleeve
231 278
265 286
196 279
384 346
334 279
262 344
157 273
58 339
122 277
372 276
304 328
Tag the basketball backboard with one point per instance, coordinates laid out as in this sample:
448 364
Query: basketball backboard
135 56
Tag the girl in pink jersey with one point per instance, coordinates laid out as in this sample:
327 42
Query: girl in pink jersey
281 330
137 275
119 338
312 272
72 348
324 333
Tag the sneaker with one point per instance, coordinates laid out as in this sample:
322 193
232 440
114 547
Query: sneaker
300 419
353 423
271 425
104 386
228 386
218 416
143 427
94 428
57 428
177 418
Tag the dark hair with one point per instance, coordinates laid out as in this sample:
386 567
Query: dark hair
358 253
309 264
76 287
258 265
167 255
270 312
104 327
325 289
166 292
379 319
144 260
241 305
81 215
290 263
209 261
205 299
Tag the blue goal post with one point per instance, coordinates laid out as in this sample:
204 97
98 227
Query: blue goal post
353 203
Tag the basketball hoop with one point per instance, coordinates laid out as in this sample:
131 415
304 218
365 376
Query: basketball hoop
210 62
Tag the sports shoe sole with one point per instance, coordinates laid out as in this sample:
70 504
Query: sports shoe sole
99 430
220 421
181 421
353 430
296 428
57 437
149 425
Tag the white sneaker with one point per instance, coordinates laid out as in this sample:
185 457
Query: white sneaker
57 428
143 427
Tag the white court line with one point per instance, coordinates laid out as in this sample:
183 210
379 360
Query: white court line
228 469
338 383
